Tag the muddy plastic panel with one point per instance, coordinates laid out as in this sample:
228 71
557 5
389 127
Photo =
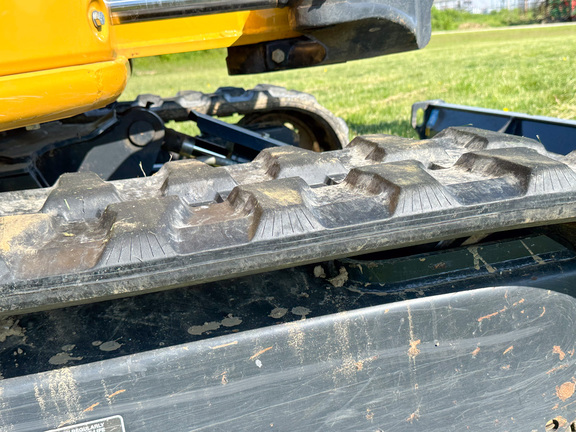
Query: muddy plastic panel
85 239
483 360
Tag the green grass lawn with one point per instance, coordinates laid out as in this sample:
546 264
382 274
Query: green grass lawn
526 70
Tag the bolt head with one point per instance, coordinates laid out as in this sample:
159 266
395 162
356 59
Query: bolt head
278 56
98 19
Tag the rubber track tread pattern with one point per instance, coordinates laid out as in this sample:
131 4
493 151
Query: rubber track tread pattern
85 239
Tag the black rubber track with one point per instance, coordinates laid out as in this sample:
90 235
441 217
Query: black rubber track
85 239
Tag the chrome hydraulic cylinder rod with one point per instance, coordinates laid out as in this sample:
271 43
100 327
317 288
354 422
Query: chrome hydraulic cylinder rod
130 11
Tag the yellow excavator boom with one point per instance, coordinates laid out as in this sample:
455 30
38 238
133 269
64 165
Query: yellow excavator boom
65 57
72 56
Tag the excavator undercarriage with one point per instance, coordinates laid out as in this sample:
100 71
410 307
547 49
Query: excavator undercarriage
131 139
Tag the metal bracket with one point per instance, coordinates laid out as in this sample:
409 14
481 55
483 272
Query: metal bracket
431 117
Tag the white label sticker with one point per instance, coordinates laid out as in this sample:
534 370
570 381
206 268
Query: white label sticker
109 424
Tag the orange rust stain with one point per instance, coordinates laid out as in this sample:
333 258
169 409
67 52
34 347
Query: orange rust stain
116 393
360 363
224 345
487 316
505 367
386 311
510 348
571 353
475 352
557 350
224 379
518 302
259 353
556 369
91 407
414 416
493 314
555 407
413 351
369 414
565 391
543 312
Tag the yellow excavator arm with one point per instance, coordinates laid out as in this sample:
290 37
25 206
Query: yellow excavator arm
72 56
65 57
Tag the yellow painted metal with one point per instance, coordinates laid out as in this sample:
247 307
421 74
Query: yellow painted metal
47 34
201 32
55 62
41 96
